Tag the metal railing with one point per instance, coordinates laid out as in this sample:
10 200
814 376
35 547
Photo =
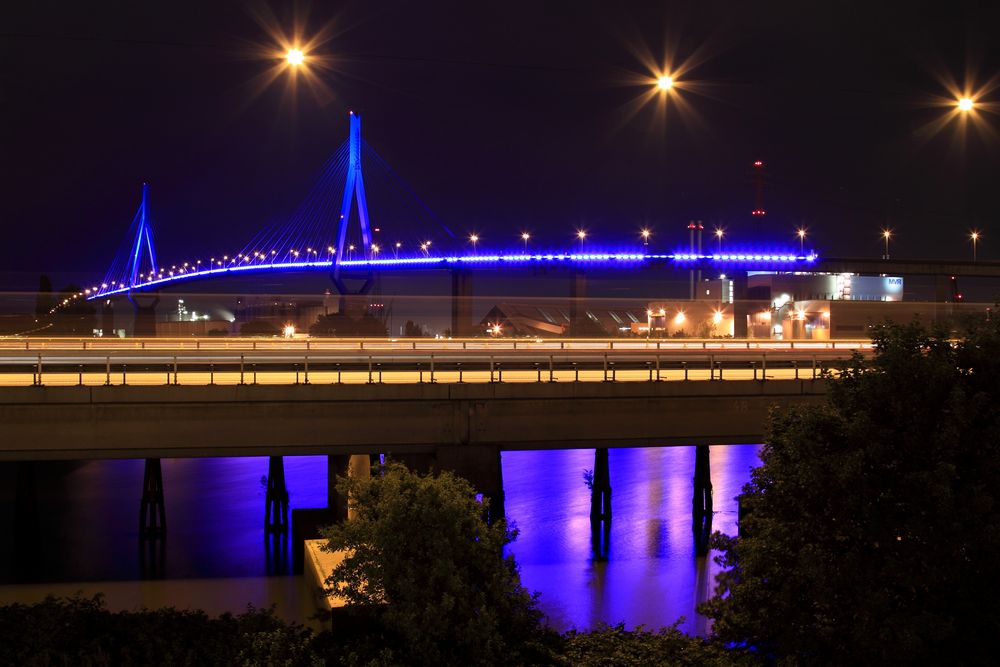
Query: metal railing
414 366
414 344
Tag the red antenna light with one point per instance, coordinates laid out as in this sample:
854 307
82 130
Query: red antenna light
758 189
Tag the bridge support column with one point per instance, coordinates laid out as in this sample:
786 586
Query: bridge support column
357 465
741 307
276 498
144 311
600 491
577 303
152 509
461 303
701 502
480 464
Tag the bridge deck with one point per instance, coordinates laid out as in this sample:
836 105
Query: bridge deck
191 421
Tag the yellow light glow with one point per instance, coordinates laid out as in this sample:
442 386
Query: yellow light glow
974 236
525 236
717 317
295 57
665 82
581 234
474 238
719 233
966 104
680 318
646 234
801 233
288 331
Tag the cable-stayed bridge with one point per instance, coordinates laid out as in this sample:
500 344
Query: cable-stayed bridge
339 226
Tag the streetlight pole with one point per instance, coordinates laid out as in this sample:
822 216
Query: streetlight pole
886 235
524 237
975 239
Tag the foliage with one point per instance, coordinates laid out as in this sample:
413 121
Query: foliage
873 530
81 631
614 646
588 479
421 555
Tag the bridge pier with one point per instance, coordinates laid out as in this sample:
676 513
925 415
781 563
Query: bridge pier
144 312
276 498
741 306
480 464
152 509
461 303
701 502
352 465
577 303
600 491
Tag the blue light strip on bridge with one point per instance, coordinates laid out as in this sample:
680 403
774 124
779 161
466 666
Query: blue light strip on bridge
761 260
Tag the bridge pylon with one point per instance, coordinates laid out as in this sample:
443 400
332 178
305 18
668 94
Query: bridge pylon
354 188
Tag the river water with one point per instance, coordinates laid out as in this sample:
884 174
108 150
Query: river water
82 535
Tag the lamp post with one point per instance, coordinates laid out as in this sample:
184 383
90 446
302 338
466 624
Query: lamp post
886 235
524 237
974 236
645 234
582 235
474 239
801 233
719 233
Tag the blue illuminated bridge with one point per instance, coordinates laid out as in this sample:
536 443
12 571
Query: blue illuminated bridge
357 186
357 200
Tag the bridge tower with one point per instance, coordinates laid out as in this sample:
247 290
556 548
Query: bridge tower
142 246
354 188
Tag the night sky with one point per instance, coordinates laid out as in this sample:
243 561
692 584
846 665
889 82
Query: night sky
501 116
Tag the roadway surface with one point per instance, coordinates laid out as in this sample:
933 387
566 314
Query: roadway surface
95 362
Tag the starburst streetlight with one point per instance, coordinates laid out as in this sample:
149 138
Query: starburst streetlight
295 57
582 235
645 234
974 236
665 82
474 240
524 237
966 104
886 235
719 233
801 233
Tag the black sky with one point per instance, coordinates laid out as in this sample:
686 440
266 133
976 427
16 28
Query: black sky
502 116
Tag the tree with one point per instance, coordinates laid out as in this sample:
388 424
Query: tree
872 532
423 561
615 646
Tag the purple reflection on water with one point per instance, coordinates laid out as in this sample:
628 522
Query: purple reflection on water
650 575
87 527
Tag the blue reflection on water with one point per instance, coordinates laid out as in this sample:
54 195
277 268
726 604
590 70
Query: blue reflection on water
648 574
